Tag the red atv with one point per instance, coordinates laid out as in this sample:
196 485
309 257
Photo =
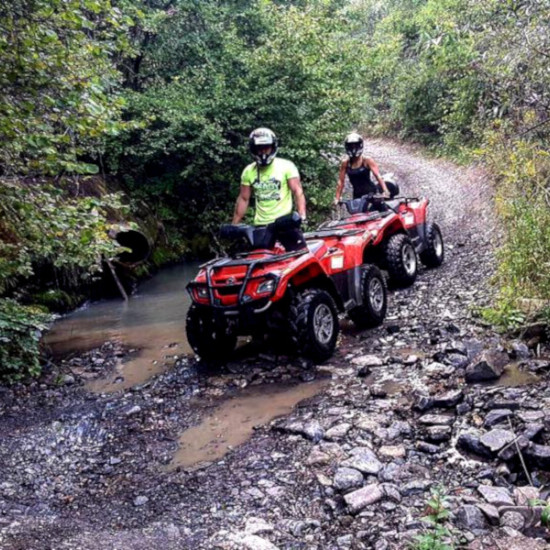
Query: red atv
294 295
297 295
399 232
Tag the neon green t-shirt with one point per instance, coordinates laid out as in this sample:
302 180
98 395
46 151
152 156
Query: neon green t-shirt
273 195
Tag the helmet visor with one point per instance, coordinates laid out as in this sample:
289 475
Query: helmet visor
263 148
354 149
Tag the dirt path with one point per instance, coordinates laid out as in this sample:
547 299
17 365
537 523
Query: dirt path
351 467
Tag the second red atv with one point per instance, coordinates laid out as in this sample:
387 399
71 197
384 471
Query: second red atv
399 231
295 295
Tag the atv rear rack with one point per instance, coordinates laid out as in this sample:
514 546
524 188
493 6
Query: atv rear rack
329 232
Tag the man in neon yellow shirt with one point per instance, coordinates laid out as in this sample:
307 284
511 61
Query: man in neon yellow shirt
274 181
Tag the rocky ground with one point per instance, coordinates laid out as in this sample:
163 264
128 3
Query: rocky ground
431 403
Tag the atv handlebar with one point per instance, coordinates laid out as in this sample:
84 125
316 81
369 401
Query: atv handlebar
355 206
368 196
236 232
290 221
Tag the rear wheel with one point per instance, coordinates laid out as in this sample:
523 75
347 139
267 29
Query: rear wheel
401 260
210 339
314 325
373 288
434 253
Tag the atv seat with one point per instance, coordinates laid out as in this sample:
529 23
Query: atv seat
285 230
237 232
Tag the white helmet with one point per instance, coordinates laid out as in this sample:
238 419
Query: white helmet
262 137
354 145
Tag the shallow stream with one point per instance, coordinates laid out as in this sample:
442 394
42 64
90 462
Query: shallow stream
151 323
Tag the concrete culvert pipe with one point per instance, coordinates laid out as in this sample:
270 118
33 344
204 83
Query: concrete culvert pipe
137 242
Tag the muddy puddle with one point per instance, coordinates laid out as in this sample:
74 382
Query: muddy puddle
514 376
392 387
151 323
233 422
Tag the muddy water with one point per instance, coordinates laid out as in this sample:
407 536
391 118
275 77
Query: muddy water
514 376
232 422
152 323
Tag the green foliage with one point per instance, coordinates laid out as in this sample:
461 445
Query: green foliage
421 81
462 74
20 331
57 301
545 513
41 226
442 71
438 536
545 516
57 83
58 102
433 540
523 201
214 71
504 315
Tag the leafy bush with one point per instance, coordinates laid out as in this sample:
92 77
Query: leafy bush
213 72
58 83
20 331
42 227
523 201
57 301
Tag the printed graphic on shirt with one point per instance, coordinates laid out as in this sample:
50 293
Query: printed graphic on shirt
268 190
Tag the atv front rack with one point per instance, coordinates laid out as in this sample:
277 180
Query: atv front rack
252 264
237 260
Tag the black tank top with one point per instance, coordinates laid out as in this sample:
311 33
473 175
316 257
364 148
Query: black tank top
360 180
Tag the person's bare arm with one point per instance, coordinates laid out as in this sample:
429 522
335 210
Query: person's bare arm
242 203
299 197
374 169
341 180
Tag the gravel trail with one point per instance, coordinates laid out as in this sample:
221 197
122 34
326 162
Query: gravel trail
350 468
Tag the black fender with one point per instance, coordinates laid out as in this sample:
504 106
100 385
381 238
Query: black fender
348 285
327 283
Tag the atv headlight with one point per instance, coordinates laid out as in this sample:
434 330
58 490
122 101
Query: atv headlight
260 288
267 287
200 294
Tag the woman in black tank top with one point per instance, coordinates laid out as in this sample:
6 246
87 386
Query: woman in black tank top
358 169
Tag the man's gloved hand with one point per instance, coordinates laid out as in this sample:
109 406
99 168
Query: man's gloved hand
303 222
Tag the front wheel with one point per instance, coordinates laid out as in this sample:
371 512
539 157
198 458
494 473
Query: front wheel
372 311
401 260
434 253
314 325
211 340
